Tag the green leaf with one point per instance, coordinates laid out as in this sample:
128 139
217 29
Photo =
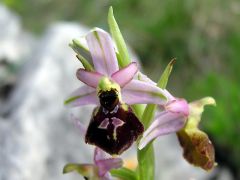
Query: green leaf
124 173
162 83
123 58
146 163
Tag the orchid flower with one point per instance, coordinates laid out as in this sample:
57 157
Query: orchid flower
116 89
170 120
97 171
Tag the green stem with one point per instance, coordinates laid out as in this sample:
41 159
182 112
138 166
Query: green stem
124 173
146 160
146 163
138 109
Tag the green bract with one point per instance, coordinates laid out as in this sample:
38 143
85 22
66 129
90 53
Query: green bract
124 58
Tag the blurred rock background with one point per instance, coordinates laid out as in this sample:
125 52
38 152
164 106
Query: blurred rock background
37 71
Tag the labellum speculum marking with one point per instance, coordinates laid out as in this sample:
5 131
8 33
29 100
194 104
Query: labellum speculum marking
113 126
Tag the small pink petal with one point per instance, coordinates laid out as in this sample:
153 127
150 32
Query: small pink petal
84 95
99 155
166 123
126 74
139 92
90 78
107 176
106 165
102 51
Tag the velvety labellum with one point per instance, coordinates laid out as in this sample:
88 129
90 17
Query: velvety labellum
113 126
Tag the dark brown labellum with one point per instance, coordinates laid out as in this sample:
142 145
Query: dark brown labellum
113 131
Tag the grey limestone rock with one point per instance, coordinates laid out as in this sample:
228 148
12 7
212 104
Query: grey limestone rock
38 139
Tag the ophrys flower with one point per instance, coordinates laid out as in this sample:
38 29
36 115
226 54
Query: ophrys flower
113 126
